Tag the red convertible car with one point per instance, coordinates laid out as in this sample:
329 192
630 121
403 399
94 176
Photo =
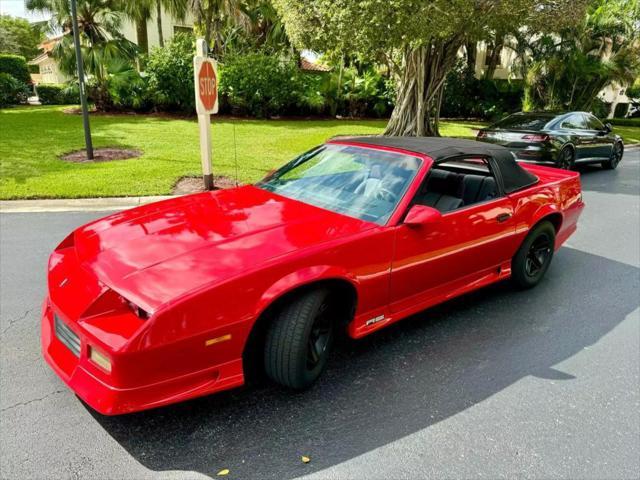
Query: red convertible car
177 299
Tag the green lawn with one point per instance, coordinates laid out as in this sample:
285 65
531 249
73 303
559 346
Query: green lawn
32 138
630 135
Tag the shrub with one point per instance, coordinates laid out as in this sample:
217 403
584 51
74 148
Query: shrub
170 72
623 122
70 94
49 94
130 92
467 96
16 66
263 85
58 94
12 91
600 108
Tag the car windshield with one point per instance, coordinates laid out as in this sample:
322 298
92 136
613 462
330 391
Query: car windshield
529 121
360 182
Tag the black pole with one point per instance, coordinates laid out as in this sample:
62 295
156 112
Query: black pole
83 93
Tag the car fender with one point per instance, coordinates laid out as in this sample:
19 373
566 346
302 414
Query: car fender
545 211
300 278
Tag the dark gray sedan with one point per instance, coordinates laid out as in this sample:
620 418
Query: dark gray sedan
562 140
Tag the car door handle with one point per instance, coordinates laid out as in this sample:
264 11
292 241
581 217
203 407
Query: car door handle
503 217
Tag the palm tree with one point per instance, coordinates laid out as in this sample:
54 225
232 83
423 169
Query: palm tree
568 72
139 12
176 8
104 49
212 16
266 27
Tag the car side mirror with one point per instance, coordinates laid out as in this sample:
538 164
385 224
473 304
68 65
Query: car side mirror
421 215
608 127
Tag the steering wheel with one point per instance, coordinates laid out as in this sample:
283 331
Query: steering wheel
386 195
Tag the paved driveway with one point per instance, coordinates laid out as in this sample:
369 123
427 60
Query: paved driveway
499 383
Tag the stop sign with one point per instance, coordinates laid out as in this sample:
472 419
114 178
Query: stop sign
207 85
205 81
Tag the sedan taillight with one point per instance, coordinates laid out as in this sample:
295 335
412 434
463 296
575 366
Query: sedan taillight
536 138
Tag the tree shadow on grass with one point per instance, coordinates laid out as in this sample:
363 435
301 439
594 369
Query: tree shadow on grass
393 383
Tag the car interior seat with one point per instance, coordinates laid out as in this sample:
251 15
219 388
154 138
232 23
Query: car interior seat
443 191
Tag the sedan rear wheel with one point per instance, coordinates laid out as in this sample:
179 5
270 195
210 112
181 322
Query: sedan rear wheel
614 159
566 159
299 340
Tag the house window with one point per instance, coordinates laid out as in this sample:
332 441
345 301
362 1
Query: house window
182 29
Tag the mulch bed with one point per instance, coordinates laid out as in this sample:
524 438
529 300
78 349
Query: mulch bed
106 154
187 185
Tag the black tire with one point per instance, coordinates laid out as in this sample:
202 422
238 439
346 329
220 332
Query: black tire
299 340
533 258
616 156
566 158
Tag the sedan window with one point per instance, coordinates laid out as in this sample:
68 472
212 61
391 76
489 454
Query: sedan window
575 122
524 121
593 123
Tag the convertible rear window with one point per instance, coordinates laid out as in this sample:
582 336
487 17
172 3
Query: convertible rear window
364 183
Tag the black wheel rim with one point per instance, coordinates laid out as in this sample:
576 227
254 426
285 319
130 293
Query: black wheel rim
566 159
319 337
617 155
538 255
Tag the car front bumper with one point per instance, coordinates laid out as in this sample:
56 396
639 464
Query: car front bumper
80 375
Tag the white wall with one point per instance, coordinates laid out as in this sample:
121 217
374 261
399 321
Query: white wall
168 24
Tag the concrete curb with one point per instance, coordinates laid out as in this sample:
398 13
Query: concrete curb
77 204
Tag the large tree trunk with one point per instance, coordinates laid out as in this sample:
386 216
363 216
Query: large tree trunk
494 52
471 49
159 23
141 36
417 108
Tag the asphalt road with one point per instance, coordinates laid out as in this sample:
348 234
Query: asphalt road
497 384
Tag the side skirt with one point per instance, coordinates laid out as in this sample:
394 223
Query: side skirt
372 321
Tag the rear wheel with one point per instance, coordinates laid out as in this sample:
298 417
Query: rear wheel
533 258
299 340
566 158
614 159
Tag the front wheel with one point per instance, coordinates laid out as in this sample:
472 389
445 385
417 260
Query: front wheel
299 340
533 258
614 159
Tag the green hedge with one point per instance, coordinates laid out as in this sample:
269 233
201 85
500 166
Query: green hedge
16 66
54 94
623 122
12 91
261 85
170 73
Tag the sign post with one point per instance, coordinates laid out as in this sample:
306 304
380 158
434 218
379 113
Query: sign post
205 77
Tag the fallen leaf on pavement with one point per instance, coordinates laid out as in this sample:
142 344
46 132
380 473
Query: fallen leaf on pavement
305 459
224 471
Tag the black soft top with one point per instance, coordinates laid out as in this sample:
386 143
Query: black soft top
440 149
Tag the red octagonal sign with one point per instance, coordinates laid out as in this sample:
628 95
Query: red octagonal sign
207 85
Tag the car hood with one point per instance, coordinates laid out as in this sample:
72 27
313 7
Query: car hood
156 253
